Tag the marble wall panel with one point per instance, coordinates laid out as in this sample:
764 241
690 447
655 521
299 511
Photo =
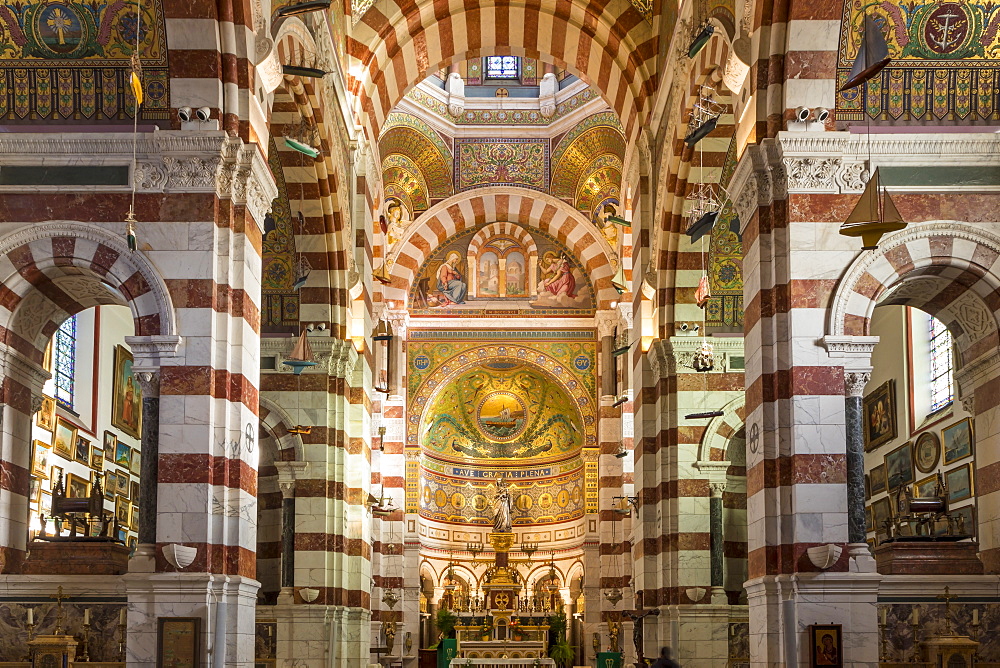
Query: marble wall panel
932 621
103 636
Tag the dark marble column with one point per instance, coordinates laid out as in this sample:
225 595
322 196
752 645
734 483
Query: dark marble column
288 540
715 527
150 455
854 386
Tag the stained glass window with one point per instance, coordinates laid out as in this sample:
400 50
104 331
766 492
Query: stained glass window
942 389
502 67
64 361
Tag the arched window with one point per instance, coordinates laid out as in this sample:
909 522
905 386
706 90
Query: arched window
942 386
64 361
503 67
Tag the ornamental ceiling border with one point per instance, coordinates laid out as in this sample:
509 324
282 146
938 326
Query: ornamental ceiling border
462 361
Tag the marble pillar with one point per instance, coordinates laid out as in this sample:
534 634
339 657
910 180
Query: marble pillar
715 525
149 464
287 541
854 386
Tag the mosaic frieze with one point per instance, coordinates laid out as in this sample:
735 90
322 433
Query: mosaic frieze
501 116
944 63
70 60
423 149
491 162
724 309
280 300
403 179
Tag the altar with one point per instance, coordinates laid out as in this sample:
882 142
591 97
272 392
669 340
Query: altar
497 649
502 663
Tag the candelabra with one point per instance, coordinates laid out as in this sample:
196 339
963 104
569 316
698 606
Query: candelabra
30 625
915 625
121 638
85 639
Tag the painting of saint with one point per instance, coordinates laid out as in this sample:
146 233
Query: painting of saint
557 275
515 275
395 213
489 274
602 215
450 282
126 405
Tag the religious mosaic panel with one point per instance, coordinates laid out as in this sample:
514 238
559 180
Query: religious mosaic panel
492 162
724 310
279 298
479 272
944 61
69 61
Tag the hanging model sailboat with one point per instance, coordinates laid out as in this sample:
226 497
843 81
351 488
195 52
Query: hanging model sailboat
873 216
300 358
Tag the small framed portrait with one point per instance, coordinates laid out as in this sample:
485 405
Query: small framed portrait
927 452
134 518
82 450
881 511
899 466
110 443
877 477
958 441
122 535
924 489
55 474
869 519
110 485
133 542
825 646
136 461
966 519
126 398
122 486
96 459
122 510
959 482
45 502
868 487
77 487
65 439
34 490
871 546
134 491
879 410
46 417
123 455
40 458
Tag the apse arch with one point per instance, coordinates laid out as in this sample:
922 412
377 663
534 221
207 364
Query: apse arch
527 208
393 51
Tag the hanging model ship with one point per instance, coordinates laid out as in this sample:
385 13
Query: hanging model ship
873 216
300 358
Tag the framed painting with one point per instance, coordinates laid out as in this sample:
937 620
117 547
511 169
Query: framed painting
56 475
958 441
34 490
899 466
110 444
927 452
97 459
65 439
133 521
134 491
46 417
110 485
869 519
126 398
825 645
959 482
122 510
45 503
878 482
879 410
924 489
82 451
881 511
77 487
40 458
966 519
123 455
178 642
122 486
868 487
136 461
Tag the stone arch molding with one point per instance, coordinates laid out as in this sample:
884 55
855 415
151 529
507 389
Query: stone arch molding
277 421
98 252
872 277
718 434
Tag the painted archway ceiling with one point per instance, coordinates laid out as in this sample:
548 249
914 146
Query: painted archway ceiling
403 179
945 58
424 151
590 147
603 180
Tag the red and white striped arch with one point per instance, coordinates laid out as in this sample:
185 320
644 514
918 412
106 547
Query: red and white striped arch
946 269
520 206
397 44
515 232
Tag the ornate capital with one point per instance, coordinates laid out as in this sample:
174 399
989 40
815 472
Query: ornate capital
855 381
969 403
716 489
36 403
149 381
288 473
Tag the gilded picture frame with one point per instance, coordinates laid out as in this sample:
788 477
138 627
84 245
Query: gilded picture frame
126 399
879 412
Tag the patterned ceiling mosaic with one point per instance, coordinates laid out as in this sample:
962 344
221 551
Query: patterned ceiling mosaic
945 61
402 179
424 150
578 154
280 300
69 61
490 162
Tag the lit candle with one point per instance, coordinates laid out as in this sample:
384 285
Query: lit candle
975 616
31 616
86 616
122 616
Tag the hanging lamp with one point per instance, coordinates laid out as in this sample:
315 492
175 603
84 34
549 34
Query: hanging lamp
303 8
701 39
874 215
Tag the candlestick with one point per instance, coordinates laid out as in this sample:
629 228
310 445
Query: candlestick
882 614
975 616
86 616
85 640
915 617
31 616
122 616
